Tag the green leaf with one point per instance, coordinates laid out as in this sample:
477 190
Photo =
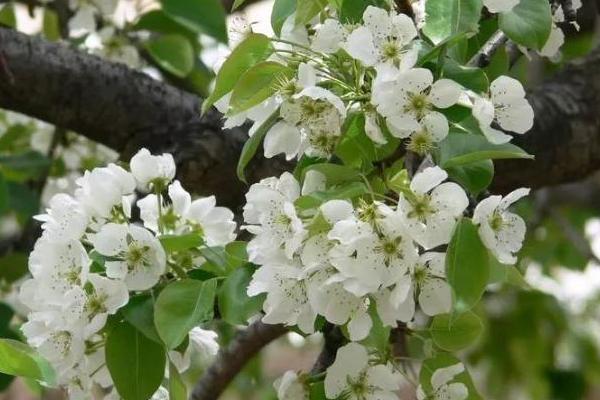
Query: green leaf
173 53
445 18
470 77
202 16
455 332
237 4
4 195
7 16
343 192
251 145
18 359
13 266
257 84
467 265
234 304
51 25
177 387
24 166
308 9
475 177
463 148
23 200
160 22
186 241
6 314
139 312
282 10
136 363
254 49
182 306
351 11
529 23
502 273
443 360
335 174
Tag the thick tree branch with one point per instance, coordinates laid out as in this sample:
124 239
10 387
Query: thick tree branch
232 359
125 110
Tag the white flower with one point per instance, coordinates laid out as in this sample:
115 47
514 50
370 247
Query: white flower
64 219
430 210
442 389
104 298
149 169
426 281
409 103
329 36
500 6
287 298
102 192
108 45
327 295
507 106
385 38
355 378
140 258
377 258
289 387
500 230
272 218
58 267
203 348
216 224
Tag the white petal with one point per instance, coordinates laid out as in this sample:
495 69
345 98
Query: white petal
442 376
485 208
319 93
450 197
360 326
307 75
282 138
110 240
314 181
437 125
500 6
329 36
337 210
402 125
495 136
180 197
554 42
427 179
383 377
372 128
513 197
378 21
444 93
483 111
404 27
517 116
361 47
435 297
504 89
349 362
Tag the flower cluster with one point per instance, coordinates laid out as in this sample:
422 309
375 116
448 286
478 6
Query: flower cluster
92 255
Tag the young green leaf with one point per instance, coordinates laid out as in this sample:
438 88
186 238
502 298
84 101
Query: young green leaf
470 77
455 332
282 10
306 10
139 312
136 363
18 359
255 48
257 84
467 265
475 177
177 387
186 241
445 18
173 53
237 4
461 148
335 174
529 23
351 11
202 16
251 145
234 304
343 192
182 306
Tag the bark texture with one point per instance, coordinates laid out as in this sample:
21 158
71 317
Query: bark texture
125 110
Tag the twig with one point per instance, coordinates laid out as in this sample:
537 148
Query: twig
232 359
334 339
484 56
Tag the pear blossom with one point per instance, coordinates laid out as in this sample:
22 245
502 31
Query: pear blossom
182 215
443 387
140 258
385 37
329 36
430 209
149 169
287 298
271 216
507 106
104 298
203 348
289 387
84 18
64 219
353 377
104 192
500 6
426 282
408 103
501 231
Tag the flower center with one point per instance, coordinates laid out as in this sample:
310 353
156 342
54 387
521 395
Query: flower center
136 255
367 212
391 51
421 143
418 104
421 208
95 304
496 221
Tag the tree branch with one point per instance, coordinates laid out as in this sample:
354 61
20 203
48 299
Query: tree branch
232 359
334 339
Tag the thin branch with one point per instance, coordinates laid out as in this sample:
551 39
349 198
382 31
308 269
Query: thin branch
484 55
334 339
232 359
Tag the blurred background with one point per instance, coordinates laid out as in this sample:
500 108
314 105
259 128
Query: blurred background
542 334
